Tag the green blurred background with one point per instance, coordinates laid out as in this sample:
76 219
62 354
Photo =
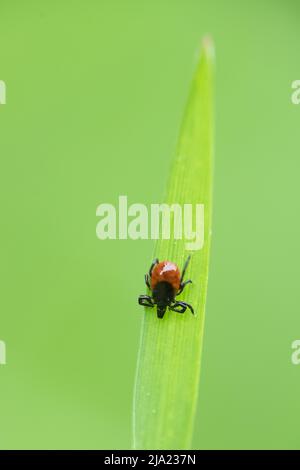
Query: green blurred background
95 96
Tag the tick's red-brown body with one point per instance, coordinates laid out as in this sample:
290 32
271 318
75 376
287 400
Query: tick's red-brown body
165 271
165 282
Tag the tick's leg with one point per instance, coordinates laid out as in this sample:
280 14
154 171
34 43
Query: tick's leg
148 275
185 268
154 263
147 280
146 300
182 286
180 307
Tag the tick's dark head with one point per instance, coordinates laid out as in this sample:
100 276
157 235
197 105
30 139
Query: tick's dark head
161 311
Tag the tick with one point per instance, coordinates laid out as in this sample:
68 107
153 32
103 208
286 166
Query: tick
165 282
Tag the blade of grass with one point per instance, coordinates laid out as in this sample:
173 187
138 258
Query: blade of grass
168 368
